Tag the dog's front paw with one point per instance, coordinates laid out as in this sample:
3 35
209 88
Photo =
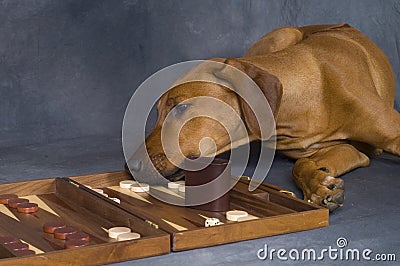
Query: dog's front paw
326 191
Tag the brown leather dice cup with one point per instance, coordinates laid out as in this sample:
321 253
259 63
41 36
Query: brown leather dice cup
208 174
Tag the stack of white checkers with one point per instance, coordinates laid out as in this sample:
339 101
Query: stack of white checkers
134 186
100 191
122 233
177 185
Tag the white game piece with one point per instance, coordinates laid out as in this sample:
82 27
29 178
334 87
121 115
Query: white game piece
181 188
105 195
89 187
140 187
176 184
117 200
235 215
127 183
114 232
128 236
173 185
211 222
98 190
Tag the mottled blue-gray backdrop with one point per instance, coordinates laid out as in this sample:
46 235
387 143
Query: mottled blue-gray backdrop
68 68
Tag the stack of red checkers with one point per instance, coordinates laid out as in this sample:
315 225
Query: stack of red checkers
16 246
8 240
61 233
5 197
27 207
75 243
78 236
13 203
73 238
77 240
22 205
50 227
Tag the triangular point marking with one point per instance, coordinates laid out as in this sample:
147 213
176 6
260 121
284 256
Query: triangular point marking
6 211
176 226
32 247
41 203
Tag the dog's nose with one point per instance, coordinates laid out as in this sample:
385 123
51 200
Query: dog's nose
136 165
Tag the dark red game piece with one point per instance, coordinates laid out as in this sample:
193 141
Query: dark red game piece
75 243
13 203
27 207
61 233
17 246
79 235
8 240
51 226
25 252
5 197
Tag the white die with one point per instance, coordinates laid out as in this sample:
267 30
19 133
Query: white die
211 222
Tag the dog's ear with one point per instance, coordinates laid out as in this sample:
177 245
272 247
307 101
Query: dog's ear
162 108
269 85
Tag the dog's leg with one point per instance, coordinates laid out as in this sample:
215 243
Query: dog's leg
394 146
376 123
384 131
390 132
366 148
317 174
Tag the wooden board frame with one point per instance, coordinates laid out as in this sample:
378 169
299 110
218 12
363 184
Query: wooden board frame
278 213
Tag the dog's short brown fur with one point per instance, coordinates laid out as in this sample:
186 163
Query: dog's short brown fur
331 90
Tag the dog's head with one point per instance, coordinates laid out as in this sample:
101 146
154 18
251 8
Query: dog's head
203 135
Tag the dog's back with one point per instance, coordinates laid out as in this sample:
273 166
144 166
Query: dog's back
325 37
333 78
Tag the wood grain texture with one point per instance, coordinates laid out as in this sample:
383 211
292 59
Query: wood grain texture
233 232
95 255
40 186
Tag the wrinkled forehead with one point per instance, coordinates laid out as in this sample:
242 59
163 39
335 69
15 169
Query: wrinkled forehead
208 78
196 88
206 71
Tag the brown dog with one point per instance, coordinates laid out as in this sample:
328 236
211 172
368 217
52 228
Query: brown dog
331 90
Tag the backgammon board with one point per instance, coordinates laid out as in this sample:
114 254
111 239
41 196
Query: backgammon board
163 227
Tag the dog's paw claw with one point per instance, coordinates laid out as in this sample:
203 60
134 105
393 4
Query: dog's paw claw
329 194
339 197
332 206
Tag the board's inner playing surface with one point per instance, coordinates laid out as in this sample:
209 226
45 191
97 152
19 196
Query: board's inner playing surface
261 203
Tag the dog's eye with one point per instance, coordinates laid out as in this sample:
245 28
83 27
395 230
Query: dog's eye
180 109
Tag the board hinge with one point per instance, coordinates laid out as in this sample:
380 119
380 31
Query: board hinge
152 224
